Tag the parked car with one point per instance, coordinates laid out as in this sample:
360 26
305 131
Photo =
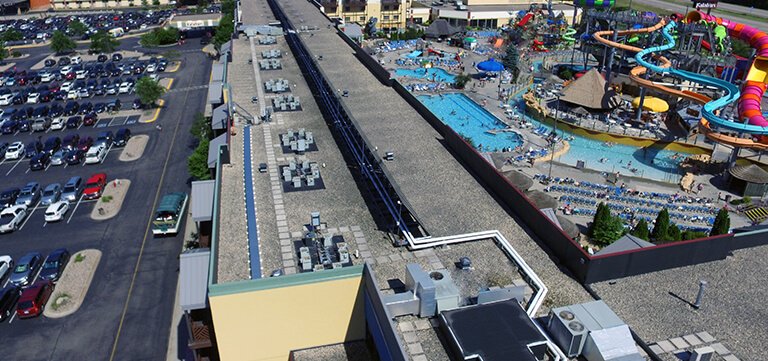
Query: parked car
56 211
8 197
52 144
74 156
49 63
121 137
72 189
15 150
58 123
41 124
74 122
29 195
71 108
9 296
32 148
58 157
55 263
102 58
40 161
105 138
95 186
33 299
51 194
90 119
10 126
96 154
70 141
85 143
26 269
12 217
117 57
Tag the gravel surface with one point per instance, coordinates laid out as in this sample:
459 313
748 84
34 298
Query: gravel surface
348 351
732 309
134 149
73 284
116 189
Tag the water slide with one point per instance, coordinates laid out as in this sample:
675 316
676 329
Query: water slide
757 76
636 74
568 35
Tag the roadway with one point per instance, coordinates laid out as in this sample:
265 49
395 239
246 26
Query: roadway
113 322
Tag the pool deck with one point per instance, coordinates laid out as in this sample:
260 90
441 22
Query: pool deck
447 199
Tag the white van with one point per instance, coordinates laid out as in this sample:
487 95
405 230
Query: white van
76 59
96 154
116 32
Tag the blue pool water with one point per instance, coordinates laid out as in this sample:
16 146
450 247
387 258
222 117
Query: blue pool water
470 120
424 73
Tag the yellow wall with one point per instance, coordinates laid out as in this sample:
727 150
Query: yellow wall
268 324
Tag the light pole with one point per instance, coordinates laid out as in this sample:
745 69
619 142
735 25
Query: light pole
552 143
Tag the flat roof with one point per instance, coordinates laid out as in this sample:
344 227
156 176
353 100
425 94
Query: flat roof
202 200
213 149
215 90
494 331
193 279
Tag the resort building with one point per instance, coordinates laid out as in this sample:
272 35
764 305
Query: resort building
390 15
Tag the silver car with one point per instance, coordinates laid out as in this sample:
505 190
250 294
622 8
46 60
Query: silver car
58 157
26 269
29 195
51 194
73 189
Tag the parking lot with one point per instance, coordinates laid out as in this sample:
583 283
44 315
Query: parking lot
127 312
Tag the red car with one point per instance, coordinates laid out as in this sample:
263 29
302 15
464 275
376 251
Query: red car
33 299
95 186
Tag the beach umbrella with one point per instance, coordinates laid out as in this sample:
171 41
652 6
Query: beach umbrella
490 65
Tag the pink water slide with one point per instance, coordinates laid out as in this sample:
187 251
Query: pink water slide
757 77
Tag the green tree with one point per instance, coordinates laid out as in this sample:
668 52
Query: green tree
201 127
3 51
224 31
673 233
148 90
61 43
11 35
605 228
228 7
461 81
722 224
145 3
511 62
197 163
741 48
661 226
160 36
155 3
77 28
641 230
103 42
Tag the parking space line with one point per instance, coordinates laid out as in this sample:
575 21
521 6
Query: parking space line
27 172
13 316
71 214
29 215
14 166
46 168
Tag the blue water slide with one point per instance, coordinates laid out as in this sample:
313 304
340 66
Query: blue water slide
708 112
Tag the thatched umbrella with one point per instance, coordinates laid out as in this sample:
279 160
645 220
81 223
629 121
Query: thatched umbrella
541 200
518 179
571 229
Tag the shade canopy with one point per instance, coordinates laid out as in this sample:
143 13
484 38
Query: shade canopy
490 65
590 91
750 173
653 104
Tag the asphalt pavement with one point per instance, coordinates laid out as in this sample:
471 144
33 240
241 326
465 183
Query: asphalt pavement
127 312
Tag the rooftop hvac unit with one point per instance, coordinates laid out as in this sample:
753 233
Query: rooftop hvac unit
569 333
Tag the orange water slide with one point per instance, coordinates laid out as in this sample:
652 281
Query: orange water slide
636 74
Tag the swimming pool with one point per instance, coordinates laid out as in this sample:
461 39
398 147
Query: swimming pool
471 121
426 73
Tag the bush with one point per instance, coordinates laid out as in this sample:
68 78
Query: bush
605 228
641 230
688 235
160 36
197 163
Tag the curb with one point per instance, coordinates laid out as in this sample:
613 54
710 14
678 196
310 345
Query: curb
140 137
95 212
77 302
160 104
